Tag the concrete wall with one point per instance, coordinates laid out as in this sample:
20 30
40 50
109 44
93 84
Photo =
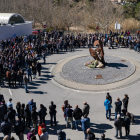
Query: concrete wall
6 31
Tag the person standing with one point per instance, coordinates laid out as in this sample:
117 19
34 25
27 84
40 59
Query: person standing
39 68
127 124
86 108
27 114
8 76
107 107
119 122
9 104
44 135
29 73
22 114
77 114
90 135
118 105
11 116
61 135
6 127
44 56
85 124
25 80
19 129
69 116
42 113
34 116
52 113
18 107
19 78
34 70
125 102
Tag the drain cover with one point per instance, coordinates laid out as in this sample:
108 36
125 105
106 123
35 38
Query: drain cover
123 60
98 77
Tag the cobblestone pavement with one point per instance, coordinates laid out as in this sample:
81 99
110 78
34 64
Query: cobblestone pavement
116 70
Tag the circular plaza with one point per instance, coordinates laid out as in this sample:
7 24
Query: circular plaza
119 72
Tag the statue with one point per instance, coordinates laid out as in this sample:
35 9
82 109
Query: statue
98 54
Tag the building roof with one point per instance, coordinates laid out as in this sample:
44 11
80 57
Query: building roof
11 18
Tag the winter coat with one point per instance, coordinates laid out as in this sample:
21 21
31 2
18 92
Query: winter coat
19 128
85 124
126 121
6 127
125 102
69 112
42 112
86 109
107 104
52 109
34 115
11 114
118 106
77 114
27 113
119 123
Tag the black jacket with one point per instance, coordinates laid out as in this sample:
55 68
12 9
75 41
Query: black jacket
6 127
27 113
125 102
42 112
19 128
34 115
2 110
77 114
38 66
91 136
119 123
18 109
11 114
126 121
52 109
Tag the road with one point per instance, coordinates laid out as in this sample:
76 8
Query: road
43 91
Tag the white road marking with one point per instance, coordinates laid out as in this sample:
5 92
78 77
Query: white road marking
10 92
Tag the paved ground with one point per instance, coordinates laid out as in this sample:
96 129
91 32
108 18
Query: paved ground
115 70
43 91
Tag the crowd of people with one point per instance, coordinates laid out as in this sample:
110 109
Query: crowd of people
29 117
19 64
20 55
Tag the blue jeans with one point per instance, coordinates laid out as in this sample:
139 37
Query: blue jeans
108 111
85 133
137 47
51 119
77 122
116 113
26 88
120 131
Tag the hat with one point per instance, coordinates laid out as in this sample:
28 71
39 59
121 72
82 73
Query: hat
59 131
32 129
